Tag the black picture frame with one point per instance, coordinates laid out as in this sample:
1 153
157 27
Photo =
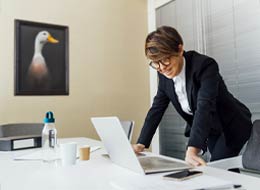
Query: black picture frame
35 75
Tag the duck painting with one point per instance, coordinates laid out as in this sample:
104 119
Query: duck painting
38 71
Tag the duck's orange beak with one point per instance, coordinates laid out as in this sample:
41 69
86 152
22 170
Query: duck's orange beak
52 40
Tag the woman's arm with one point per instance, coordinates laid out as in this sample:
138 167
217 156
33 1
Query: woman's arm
206 104
154 116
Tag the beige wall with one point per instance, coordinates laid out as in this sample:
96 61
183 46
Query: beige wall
108 71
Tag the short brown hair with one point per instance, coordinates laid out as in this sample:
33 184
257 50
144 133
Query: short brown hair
162 43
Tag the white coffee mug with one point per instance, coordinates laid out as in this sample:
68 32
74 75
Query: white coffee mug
68 153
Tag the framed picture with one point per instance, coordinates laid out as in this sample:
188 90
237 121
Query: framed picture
41 59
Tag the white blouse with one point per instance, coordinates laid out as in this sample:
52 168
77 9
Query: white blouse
180 89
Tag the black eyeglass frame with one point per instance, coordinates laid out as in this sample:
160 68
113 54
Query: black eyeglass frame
156 65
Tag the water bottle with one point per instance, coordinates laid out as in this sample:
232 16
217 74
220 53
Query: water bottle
49 139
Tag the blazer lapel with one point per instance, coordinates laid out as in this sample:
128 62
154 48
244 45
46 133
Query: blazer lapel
189 82
174 100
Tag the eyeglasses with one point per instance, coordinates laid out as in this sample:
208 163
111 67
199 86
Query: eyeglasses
156 65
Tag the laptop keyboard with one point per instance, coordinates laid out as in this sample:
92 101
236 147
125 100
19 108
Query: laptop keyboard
158 163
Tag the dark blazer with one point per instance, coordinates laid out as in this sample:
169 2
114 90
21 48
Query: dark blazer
214 109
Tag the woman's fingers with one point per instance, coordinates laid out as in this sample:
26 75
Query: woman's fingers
138 148
191 161
192 157
195 160
200 160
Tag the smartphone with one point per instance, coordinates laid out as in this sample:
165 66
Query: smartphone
183 175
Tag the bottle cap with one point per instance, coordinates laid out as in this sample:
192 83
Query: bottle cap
49 118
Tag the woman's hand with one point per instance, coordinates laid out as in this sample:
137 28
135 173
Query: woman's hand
138 148
192 157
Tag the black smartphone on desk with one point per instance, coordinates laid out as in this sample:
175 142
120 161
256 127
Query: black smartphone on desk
183 175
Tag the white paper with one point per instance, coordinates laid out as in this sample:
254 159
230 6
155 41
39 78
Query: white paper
38 154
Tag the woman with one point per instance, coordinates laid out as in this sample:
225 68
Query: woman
192 83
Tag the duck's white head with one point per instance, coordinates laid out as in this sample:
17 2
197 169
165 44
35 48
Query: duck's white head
42 38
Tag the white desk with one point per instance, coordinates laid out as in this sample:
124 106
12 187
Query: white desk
97 173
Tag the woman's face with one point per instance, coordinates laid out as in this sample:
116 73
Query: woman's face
172 66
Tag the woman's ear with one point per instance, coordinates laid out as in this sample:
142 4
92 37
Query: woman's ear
180 47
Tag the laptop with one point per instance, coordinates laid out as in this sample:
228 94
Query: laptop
121 153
